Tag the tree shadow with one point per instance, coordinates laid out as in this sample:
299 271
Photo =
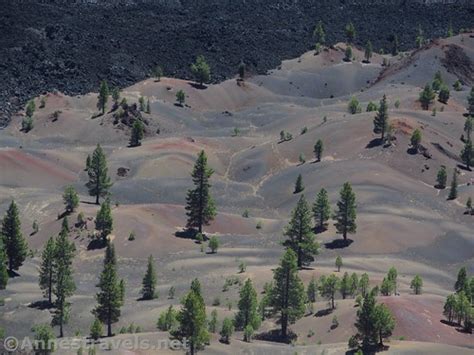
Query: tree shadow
88 202
412 151
41 305
323 312
186 233
376 142
95 244
275 336
12 274
338 244
320 229
463 167
64 214
439 187
197 86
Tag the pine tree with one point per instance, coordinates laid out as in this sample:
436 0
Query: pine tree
180 97
338 263
417 285
350 32
468 127
384 322
441 177
115 95
168 320
287 297
110 296
201 70
365 322
345 285
345 216
319 34
104 221
318 149
415 139
395 45
300 235
368 51
241 70
392 278
226 331
213 322
15 244
462 281
148 106
381 119
157 72
64 282
467 154
469 208
328 287
348 54
364 284
3 266
137 134
99 182
453 191
248 308
47 274
443 95
299 187
192 321
70 198
470 102
103 96
312 290
321 209
426 97
354 284
200 206
96 329
214 244
450 307
420 39
149 281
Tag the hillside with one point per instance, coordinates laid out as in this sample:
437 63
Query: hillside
402 219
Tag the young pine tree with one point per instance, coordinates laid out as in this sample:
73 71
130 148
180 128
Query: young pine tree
300 234
368 51
137 134
345 214
441 178
321 210
453 191
103 96
192 320
468 124
365 322
384 322
64 281
47 274
110 296
328 287
287 297
415 140
299 187
16 247
104 221
350 32
345 286
149 281
467 154
70 198
426 97
318 149
3 266
338 263
201 70
247 314
417 285
180 97
319 34
381 119
99 182
200 206
312 290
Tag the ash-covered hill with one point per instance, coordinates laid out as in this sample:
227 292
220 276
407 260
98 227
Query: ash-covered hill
71 45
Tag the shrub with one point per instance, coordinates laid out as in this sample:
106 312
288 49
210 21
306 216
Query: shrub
354 106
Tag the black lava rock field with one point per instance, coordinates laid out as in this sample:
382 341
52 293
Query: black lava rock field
71 45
